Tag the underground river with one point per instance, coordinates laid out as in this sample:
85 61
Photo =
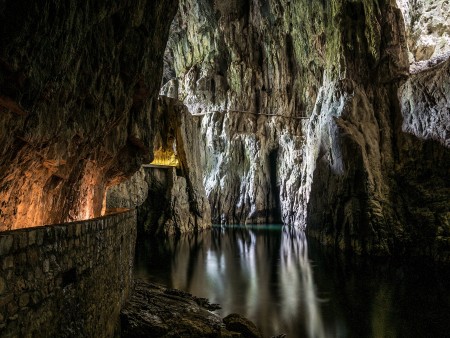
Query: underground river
287 284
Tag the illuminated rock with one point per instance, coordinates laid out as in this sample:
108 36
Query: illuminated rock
78 83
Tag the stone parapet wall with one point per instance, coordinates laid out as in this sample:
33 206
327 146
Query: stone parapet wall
66 280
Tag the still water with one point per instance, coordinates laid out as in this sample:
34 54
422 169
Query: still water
286 284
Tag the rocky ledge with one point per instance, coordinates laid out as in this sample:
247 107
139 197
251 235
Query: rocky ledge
155 311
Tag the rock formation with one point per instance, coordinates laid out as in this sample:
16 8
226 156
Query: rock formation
78 83
169 200
238 64
427 27
302 120
154 311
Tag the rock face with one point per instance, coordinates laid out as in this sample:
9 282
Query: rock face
427 27
302 114
351 145
334 157
169 200
239 64
424 170
425 104
78 83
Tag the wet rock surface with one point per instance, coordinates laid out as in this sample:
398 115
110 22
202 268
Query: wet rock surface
425 104
154 311
237 323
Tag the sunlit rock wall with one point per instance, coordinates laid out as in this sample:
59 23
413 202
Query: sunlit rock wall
345 171
78 82
170 200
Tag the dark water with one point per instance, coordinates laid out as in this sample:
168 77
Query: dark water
286 284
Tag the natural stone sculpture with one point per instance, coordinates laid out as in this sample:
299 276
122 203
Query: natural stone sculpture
239 63
78 83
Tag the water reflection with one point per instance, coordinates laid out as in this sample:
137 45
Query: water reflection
272 276
261 272
296 275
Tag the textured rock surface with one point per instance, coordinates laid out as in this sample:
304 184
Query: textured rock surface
237 62
78 82
237 323
348 172
425 104
129 194
67 280
427 27
154 311
169 200
424 164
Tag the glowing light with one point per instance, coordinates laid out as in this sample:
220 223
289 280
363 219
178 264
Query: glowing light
166 158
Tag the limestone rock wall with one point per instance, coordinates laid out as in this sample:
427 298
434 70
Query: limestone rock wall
350 152
68 280
238 64
78 84
347 171
169 200
424 170
425 104
427 27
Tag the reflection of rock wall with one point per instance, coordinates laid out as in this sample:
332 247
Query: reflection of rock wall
77 88
170 200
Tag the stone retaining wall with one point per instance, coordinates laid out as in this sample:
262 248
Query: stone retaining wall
66 280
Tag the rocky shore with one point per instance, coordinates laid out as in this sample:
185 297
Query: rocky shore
156 311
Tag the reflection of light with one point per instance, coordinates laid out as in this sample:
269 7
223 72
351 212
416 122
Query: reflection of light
267 279
215 269
294 248
247 251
